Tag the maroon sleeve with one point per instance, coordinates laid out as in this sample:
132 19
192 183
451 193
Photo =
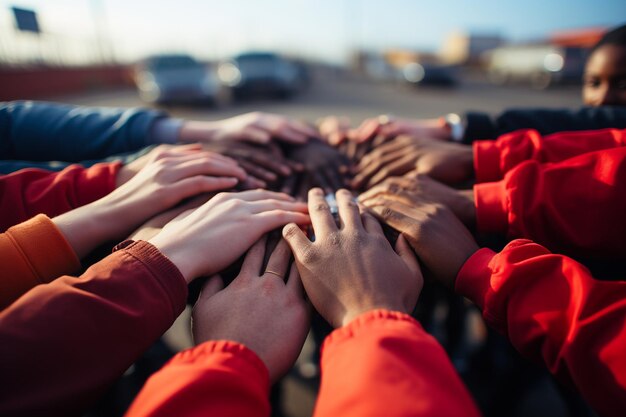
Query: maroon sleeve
576 206
28 192
554 312
493 159
62 343
217 378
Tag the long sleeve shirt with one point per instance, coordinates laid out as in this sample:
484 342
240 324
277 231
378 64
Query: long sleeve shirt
63 343
382 363
555 313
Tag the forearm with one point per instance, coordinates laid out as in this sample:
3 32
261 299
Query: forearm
360 360
85 332
206 380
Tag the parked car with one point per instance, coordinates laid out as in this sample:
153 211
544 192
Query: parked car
172 78
541 66
429 74
262 73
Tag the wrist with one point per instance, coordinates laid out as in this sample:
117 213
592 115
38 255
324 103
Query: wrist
177 254
354 313
197 131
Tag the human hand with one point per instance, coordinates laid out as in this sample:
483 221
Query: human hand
447 162
322 163
439 239
350 270
334 130
258 309
253 127
170 176
418 189
265 164
391 127
213 236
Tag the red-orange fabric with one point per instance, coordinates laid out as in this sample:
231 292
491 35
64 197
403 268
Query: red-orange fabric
576 206
380 364
32 191
493 159
554 312
219 378
63 343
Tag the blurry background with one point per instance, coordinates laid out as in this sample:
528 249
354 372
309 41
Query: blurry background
356 58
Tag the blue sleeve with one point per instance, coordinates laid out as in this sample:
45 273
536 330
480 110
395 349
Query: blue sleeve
40 131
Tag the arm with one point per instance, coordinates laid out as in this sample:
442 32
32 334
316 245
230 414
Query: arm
222 377
576 206
361 359
554 312
546 121
29 192
41 131
493 159
91 330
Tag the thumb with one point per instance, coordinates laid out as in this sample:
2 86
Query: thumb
212 286
403 249
297 240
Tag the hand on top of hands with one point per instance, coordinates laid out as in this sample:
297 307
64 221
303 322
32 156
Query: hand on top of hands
265 311
352 269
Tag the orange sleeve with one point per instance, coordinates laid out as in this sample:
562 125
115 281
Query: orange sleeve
32 253
554 312
384 364
220 378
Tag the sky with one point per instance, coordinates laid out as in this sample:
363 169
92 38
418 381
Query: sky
322 29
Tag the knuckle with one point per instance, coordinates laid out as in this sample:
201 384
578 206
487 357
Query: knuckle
290 231
321 207
309 255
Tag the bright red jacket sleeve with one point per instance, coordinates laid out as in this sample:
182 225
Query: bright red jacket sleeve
576 206
554 312
493 159
220 378
63 343
384 364
28 192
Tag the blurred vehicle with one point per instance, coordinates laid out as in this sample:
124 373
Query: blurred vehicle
429 74
541 66
165 79
262 73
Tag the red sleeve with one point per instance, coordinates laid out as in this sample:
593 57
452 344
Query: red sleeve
554 312
493 159
576 206
62 343
220 378
28 192
384 364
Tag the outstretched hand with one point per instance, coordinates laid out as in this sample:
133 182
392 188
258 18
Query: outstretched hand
264 310
352 269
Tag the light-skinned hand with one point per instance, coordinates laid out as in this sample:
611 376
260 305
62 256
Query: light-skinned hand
352 269
334 130
264 311
253 127
391 127
211 237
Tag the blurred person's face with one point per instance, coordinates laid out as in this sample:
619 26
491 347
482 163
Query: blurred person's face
605 77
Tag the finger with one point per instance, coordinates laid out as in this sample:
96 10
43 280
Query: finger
270 164
274 219
370 223
333 178
391 215
279 260
202 166
366 131
320 181
321 218
297 240
289 185
199 184
211 287
257 171
397 168
255 195
348 210
403 249
294 282
252 263
255 135
351 150
251 183
391 186
295 136
261 206
304 128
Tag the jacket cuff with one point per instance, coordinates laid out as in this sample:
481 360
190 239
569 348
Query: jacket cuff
478 126
492 214
233 354
96 182
164 270
363 323
487 161
474 278
44 248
